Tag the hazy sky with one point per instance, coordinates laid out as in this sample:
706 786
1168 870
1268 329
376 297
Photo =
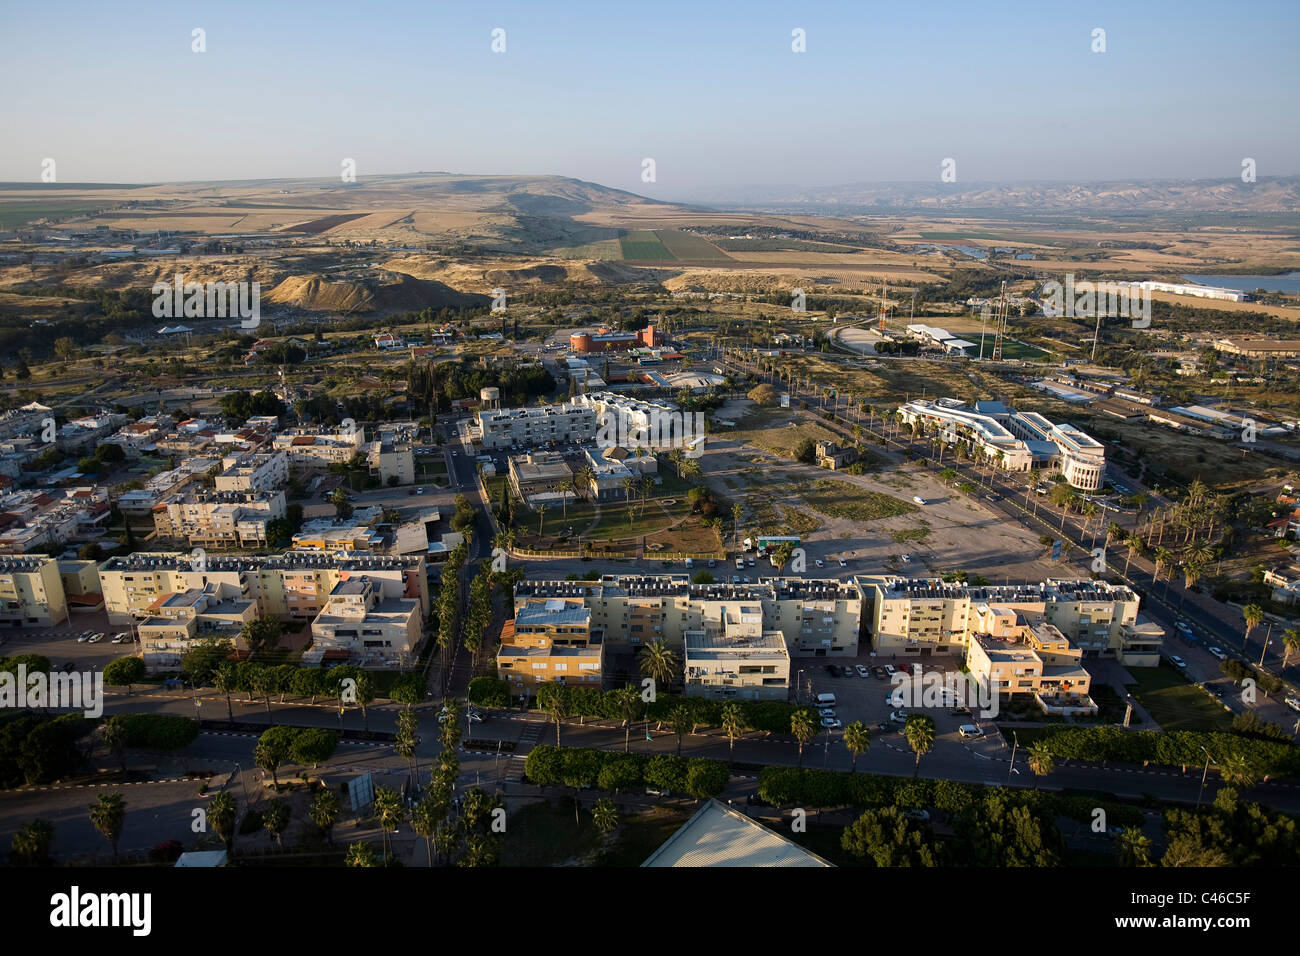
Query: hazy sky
711 91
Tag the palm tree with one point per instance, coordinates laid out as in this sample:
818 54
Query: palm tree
324 812
1290 642
1040 760
388 811
1236 771
1135 545
920 731
1192 571
659 663
222 811
108 816
1113 533
541 518
737 512
858 739
647 485
360 854
115 738
226 681
628 483
1163 558
424 821
1132 848
566 487
733 725
605 815
275 819
803 728
682 722
1253 614
584 479
31 844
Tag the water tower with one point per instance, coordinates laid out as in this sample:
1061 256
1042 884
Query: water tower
490 397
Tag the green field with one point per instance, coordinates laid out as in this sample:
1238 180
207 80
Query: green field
16 214
1011 350
1174 703
684 245
644 244
601 249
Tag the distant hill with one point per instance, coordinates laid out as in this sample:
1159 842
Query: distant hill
1275 194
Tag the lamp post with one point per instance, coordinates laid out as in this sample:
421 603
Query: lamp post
1264 650
1012 769
1204 773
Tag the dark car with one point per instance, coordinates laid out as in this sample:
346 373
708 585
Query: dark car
754 800
879 672
960 712
833 670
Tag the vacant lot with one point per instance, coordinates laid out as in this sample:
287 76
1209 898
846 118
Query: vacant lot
1174 703
839 499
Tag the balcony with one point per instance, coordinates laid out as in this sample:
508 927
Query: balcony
1066 705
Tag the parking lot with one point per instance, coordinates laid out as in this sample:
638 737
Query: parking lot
59 643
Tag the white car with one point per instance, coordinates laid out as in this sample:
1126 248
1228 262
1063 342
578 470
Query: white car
830 723
1293 703
826 712
474 717
899 716
1177 661
1216 653
83 638
95 638
905 558
821 563
862 670
119 638
889 669
843 563
970 730
918 499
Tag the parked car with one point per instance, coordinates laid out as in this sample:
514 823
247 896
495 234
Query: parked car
862 670
905 558
754 800
1184 631
970 730
918 499
735 579
84 637
119 638
922 815
750 562
826 712
1216 653
960 712
1177 661
713 562
830 723
879 673
96 638
1293 703
899 716
889 669
833 669
843 563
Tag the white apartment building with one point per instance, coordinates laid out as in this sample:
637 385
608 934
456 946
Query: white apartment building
531 427
257 471
309 448
360 623
219 519
734 656
178 620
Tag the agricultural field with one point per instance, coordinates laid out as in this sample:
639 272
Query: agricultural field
688 247
644 244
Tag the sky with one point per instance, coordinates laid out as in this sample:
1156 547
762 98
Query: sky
711 91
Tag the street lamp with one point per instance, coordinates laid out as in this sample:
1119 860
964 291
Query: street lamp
1204 774
1012 769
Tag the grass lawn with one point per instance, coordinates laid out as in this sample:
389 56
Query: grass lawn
545 835
1176 704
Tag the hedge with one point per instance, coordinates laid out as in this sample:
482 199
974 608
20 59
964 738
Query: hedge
489 692
158 731
1173 748
614 770
789 786
765 716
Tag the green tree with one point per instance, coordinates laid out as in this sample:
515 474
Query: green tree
1040 760
360 854
681 720
659 663
555 699
31 844
425 819
114 730
733 725
888 837
324 812
222 811
1132 848
389 812
123 672
275 819
858 739
605 815
108 816
272 750
803 728
920 732
1253 614
200 661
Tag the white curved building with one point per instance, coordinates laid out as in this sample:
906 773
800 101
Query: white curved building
1016 441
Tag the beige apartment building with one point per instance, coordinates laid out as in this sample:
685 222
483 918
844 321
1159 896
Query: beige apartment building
733 656
928 616
259 471
178 620
232 519
309 448
550 640
362 624
293 586
1018 657
816 618
31 591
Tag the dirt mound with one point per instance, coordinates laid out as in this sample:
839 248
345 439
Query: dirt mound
401 293
750 282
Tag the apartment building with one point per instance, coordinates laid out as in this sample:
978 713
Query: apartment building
356 534
231 519
293 586
24 420
929 616
816 618
362 623
1013 441
392 461
45 520
309 448
532 427
734 656
179 619
1024 657
256 471
550 640
538 473
31 591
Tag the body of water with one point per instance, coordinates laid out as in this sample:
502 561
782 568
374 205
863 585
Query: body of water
1287 282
